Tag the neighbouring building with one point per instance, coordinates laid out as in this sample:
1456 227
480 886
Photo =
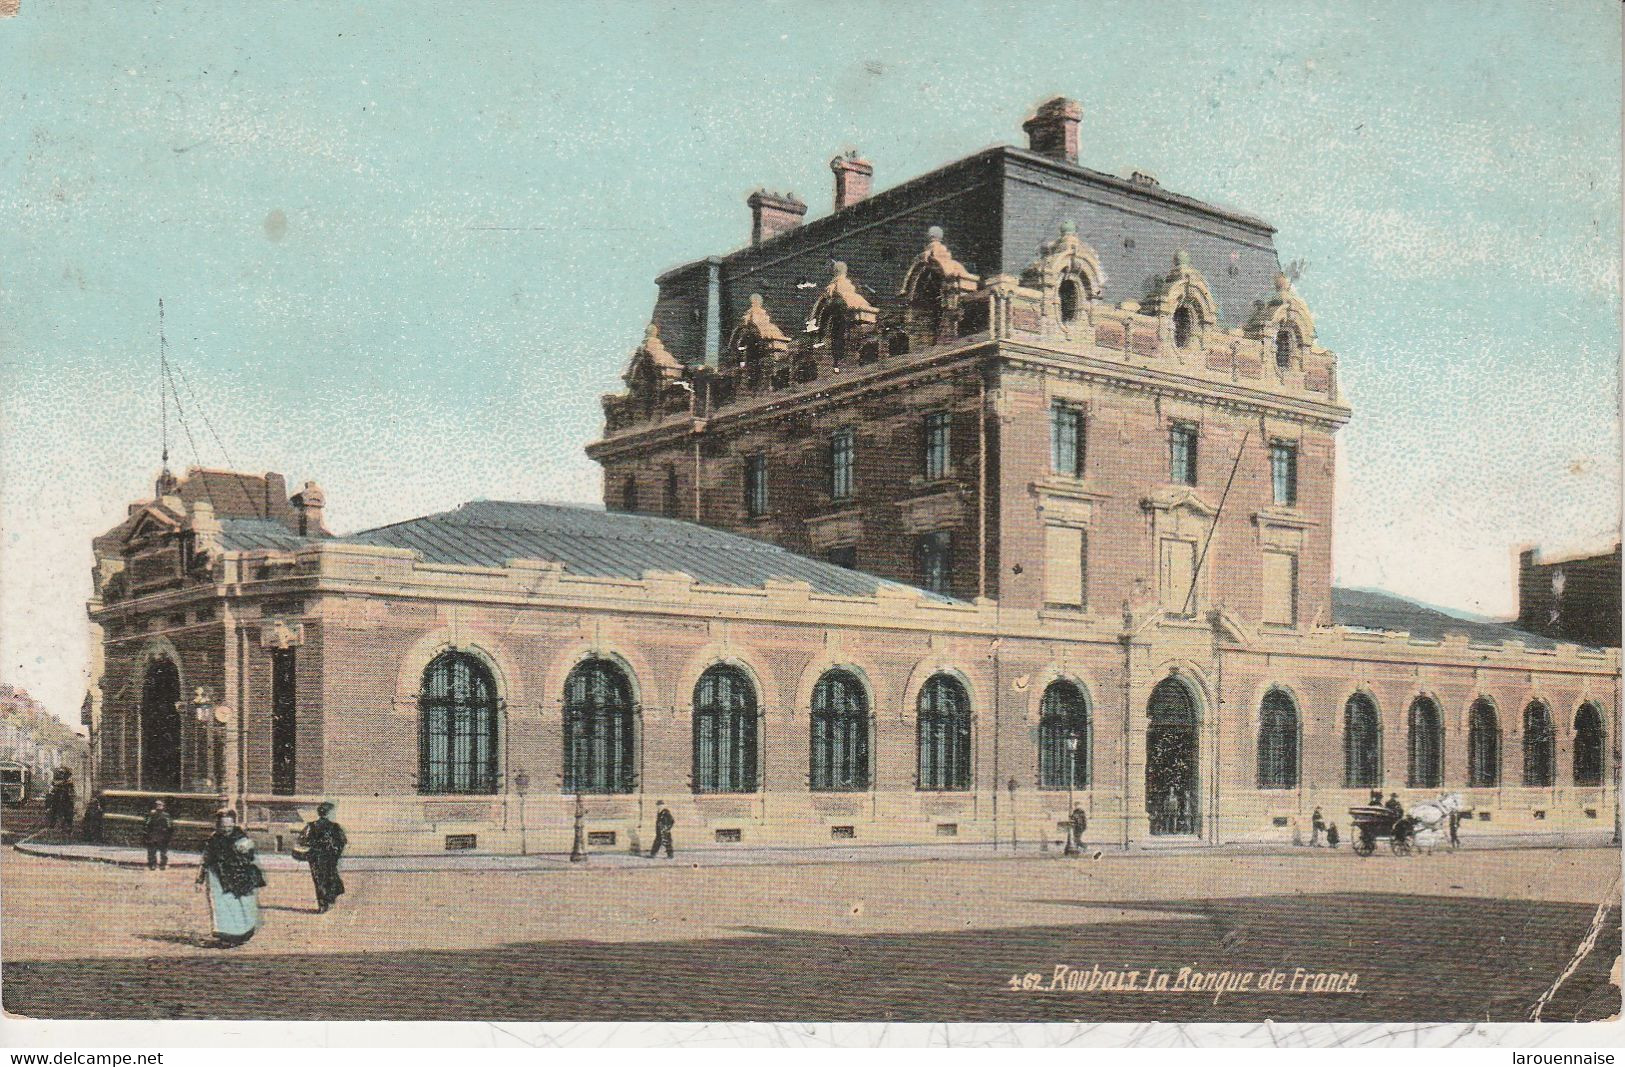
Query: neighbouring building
31 736
1574 597
1006 489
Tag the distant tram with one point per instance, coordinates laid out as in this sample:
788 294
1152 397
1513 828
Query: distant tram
14 783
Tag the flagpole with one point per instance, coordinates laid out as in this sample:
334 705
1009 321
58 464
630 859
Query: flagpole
1190 594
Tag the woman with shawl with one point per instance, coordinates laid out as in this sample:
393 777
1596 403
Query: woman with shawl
234 880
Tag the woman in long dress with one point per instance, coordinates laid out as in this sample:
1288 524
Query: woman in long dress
233 879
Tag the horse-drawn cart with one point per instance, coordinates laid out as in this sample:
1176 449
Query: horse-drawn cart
1373 823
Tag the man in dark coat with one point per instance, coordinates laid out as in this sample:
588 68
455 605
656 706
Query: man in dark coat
663 824
1317 826
59 800
324 842
156 831
1394 805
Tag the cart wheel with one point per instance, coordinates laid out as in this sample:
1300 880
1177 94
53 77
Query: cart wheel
1401 848
1364 846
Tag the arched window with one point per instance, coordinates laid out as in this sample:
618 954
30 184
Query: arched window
1278 742
1483 745
1064 741
1286 344
897 343
1071 294
1184 321
1425 767
927 303
1539 746
1588 746
944 735
598 742
724 732
1362 743
839 759
457 726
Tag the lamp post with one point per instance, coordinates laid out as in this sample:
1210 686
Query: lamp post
521 785
1071 769
208 716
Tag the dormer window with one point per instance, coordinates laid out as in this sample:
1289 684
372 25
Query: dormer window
1071 295
1286 343
927 303
1184 321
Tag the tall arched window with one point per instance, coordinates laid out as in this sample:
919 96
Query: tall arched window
1588 746
724 732
1064 740
1425 766
944 735
839 759
598 741
1184 323
1278 742
1362 743
161 726
1071 295
1286 344
457 726
1483 745
1539 746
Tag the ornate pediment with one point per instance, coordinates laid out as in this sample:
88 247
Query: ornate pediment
1285 308
148 523
651 361
938 260
840 291
1064 256
1179 498
1184 284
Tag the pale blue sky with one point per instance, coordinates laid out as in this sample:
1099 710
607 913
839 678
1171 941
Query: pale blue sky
478 196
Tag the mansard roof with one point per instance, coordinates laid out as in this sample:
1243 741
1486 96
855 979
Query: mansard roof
1371 609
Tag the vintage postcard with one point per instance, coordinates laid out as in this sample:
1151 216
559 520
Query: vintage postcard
946 513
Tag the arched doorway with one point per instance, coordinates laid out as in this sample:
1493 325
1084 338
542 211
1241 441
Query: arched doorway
1172 761
161 727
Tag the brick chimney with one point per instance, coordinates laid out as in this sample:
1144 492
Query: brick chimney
307 507
1053 130
853 179
772 214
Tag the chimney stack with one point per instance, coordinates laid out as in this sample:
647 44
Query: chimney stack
772 214
307 506
1053 130
853 179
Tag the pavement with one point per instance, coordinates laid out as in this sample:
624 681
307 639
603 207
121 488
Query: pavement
129 856
1465 936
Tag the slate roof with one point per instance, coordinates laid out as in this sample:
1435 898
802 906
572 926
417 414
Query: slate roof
244 535
593 543
1368 609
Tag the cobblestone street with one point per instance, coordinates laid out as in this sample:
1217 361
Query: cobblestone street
1463 936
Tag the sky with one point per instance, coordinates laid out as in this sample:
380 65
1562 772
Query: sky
404 248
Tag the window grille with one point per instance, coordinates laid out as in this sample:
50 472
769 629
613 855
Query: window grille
724 732
1064 716
839 759
457 710
1425 767
937 442
598 737
1539 745
1362 744
944 735
1278 742
1284 472
1483 746
756 485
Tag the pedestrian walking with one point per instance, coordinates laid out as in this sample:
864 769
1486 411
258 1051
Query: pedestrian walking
157 829
664 821
1317 826
1455 829
322 841
1331 834
1078 823
59 801
233 879
91 824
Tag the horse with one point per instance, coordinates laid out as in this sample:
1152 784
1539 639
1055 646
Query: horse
1432 821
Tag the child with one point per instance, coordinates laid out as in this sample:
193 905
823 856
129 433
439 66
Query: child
1331 834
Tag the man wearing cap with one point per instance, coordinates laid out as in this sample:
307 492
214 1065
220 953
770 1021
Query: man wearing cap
324 842
157 829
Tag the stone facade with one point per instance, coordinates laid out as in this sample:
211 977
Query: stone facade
1119 479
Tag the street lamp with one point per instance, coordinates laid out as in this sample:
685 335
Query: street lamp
1071 769
578 848
521 785
209 716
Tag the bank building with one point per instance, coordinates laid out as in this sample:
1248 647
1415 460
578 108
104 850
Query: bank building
1003 490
